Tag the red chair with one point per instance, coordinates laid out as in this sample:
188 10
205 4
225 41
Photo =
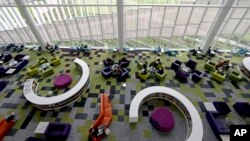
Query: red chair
5 127
104 118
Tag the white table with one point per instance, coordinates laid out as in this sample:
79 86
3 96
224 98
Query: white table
26 57
10 71
210 107
41 127
225 137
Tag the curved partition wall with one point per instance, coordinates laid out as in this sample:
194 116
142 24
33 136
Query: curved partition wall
194 123
62 100
244 67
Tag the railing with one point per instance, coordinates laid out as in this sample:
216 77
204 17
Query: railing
145 24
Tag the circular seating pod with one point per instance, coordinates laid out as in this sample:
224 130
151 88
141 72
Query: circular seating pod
244 67
194 123
62 100
62 81
162 119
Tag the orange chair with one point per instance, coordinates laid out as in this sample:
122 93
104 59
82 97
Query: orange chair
105 116
5 127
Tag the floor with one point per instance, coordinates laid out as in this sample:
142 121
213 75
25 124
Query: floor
85 110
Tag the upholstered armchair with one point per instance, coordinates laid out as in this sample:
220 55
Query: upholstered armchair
210 66
107 72
57 131
55 61
191 64
124 64
124 75
222 107
160 76
197 76
32 70
220 77
143 76
176 65
42 60
6 57
48 71
235 76
3 70
242 108
181 75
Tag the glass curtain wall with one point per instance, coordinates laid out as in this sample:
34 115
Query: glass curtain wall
147 23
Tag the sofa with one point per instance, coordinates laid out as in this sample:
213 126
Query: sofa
222 107
3 70
218 124
242 108
55 61
209 66
197 76
57 131
19 57
32 70
6 57
3 84
48 71
20 65
219 77
176 65
191 64
235 76
107 72
5 127
143 76
105 116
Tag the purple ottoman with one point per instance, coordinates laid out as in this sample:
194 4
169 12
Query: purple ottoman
162 119
62 81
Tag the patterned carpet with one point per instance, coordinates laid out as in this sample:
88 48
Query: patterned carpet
85 110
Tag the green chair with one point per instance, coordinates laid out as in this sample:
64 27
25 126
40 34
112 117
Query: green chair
235 76
55 61
140 64
42 60
210 66
48 71
32 70
143 76
218 76
160 76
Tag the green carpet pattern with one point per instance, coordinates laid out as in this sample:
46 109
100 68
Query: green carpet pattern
85 110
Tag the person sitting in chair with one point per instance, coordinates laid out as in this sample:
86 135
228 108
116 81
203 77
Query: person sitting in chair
223 64
119 70
100 130
144 69
160 71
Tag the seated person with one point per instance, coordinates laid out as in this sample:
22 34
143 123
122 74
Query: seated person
98 131
160 71
144 60
144 69
156 63
114 67
193 51
108 62
223 64
119 70
11 117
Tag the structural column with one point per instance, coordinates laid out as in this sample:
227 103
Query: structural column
216 25
31 23
120 22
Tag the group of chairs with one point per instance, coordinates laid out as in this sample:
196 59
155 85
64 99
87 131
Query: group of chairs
13 47
220 71
155 69
182 74
46 70
117 70
16 65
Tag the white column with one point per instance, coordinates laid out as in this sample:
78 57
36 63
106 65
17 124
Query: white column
31 23
216 25
120 24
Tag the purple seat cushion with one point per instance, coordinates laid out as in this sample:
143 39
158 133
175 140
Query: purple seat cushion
62 81
163 119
